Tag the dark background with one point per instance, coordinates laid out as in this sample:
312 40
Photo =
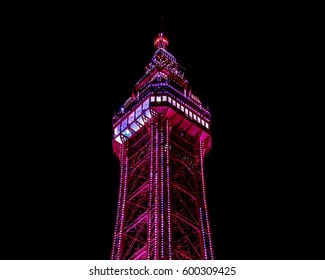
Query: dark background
74 66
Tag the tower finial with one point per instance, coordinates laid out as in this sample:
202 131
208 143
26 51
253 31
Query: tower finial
161 41
161 23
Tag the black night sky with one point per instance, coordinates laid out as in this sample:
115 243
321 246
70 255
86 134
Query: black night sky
78 67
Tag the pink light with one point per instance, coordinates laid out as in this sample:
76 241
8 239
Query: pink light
156 248
203 235
161 41
168 193
205 201
118 202
150 188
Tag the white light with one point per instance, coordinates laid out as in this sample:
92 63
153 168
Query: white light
116 130
118 139
152 99
158 98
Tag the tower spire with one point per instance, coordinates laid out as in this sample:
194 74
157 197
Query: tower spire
161 23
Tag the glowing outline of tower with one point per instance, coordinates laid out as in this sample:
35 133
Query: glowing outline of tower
161 136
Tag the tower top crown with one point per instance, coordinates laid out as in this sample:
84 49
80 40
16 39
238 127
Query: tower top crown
161 41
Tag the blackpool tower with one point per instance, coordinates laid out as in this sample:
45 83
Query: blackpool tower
161 136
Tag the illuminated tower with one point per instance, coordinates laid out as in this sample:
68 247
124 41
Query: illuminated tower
161 136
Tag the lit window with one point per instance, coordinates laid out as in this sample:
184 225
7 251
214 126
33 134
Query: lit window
152 99
164 98
158 98
194 116
206 125
148 113
126 133
131 118
186 111
116 130
124 124
118 139
203 122
140 120
198 119
190 114
169 100
146 104
134 126
178 106
174 103
182 108
138 112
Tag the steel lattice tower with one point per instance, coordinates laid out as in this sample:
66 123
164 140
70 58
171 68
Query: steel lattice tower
161 136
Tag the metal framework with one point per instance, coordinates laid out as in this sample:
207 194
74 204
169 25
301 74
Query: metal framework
161 136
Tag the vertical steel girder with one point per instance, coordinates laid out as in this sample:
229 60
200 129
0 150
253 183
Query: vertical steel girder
162 206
